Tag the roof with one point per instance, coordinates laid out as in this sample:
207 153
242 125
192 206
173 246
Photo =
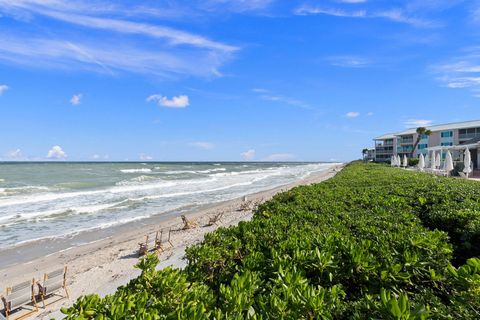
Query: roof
435 128
385 136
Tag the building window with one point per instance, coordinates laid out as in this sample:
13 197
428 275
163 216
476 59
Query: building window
422 146
446 144
446 134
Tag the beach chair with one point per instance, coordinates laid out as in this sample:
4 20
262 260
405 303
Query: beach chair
187 223
161 241
214 219
18 297
151 243
53 283
462 175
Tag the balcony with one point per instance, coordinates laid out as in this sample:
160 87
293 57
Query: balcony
467 136
405 149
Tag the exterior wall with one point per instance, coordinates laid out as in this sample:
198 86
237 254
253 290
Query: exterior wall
434 139
405 144
455 137
385 149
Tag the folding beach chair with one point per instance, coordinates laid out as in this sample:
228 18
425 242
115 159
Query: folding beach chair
161 241
53 283
214 219
18 297
152 243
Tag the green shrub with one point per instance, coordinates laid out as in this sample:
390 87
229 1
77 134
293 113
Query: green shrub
372 242
412 162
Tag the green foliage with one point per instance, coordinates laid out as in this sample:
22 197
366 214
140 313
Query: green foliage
373 242
412 162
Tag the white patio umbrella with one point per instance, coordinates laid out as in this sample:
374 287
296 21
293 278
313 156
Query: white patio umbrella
432 161
392 161
466 161
448 162
421 162
438 159
427 160
405 161
399 161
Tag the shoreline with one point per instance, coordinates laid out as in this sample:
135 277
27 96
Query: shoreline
102 265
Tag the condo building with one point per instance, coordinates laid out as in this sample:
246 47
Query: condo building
452 136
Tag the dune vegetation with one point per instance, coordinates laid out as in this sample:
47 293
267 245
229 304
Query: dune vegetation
373 242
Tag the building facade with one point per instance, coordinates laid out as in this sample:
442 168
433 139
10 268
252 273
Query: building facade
445 135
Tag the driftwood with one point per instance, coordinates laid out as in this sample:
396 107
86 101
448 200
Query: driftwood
188 224
245 206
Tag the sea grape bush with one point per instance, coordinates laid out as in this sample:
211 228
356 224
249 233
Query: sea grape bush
373 242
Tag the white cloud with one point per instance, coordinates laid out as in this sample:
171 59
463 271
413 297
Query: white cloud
461 72
144 157
260 90
280 157
181 101
415 123
98 157
202 145
248 155
396 15
76 99
267 95
370 114
352 114
56 152
175 52
313 10
348 61
3 88
15 154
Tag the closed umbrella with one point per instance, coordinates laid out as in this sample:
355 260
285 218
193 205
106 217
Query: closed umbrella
448 162
392 161
466 161
421 162
432 161
405 161
438 158
427 160
399 161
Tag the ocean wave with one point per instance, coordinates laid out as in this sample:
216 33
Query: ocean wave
159 184
23 190
135 180
139 170
178 172
37 216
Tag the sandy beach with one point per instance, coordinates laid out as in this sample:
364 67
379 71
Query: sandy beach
100 267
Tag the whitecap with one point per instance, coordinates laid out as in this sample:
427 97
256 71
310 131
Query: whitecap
136 170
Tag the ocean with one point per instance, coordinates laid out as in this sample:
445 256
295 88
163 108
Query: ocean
55 200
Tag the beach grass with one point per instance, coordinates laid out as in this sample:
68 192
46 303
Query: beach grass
372 242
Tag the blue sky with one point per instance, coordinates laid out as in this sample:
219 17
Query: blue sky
229 80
